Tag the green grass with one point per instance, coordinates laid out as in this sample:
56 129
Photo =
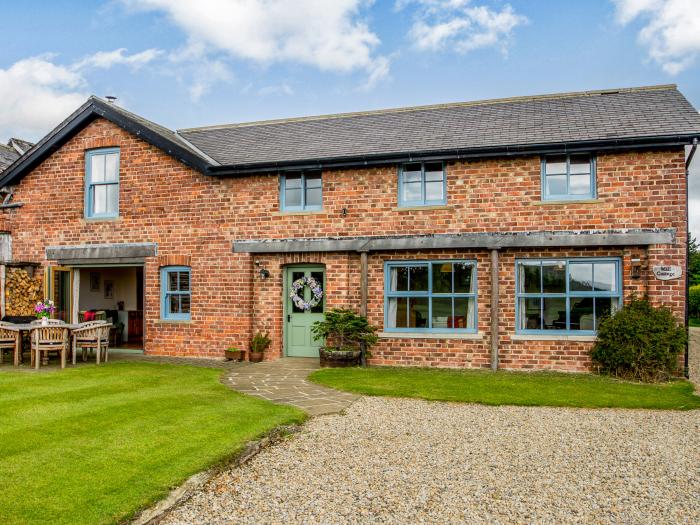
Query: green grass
509 388
97 444
694 321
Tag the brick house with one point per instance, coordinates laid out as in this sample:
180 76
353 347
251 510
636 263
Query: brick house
473 234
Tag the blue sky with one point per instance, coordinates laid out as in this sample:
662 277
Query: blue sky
187 63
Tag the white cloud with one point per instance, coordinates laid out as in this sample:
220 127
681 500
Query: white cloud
36 93
107 59
328 35
460 25
671 30
276 89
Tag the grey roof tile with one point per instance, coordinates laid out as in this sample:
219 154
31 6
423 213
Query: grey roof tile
653 111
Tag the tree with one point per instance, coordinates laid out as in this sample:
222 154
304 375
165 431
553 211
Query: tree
693 262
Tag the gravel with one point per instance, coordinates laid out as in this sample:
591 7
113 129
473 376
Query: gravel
410 461
694 355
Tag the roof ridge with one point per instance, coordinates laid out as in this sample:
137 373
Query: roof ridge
428 107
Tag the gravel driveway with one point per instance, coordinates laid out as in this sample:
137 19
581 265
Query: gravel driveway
409 461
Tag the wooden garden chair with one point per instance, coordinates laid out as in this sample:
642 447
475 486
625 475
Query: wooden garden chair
52 338
92 335
10 339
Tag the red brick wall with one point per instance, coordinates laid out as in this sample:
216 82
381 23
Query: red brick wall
189 214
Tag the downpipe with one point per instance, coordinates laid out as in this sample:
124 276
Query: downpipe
693 149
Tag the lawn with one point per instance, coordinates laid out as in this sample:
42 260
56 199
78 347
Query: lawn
694 321
509 388
96 444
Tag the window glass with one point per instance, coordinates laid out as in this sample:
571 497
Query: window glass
302 191
102 183
175 293
422 184
435 295
573 295
568 176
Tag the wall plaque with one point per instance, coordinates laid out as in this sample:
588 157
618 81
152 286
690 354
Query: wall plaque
666 273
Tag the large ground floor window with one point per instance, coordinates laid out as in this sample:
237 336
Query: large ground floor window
430 296
566 295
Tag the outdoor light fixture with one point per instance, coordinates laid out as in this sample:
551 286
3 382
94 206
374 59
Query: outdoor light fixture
636 272
264 274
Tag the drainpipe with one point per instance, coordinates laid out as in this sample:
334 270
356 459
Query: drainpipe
364 278
693 149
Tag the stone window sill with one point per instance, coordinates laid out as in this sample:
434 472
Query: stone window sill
416 208
564 202
90 220
299 212
175 321
429 335
553 337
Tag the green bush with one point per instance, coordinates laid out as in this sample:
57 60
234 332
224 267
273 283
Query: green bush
343 329
639 342
694 301
260 342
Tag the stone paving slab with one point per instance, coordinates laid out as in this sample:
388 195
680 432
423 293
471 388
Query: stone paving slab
284 381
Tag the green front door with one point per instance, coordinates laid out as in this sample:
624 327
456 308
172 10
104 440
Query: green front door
299 342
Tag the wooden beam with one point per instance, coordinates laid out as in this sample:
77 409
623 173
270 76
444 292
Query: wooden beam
75 296
364 279
494 310
3 306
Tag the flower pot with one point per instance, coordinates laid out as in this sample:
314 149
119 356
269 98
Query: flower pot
233 355
334 358
256 357
44 321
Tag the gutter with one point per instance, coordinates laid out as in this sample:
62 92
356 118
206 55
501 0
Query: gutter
693 149
450 154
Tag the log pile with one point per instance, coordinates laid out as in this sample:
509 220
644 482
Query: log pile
22 292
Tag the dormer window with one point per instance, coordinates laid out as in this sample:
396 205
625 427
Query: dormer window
102 183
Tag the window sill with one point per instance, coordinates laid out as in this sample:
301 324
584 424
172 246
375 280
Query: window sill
298 212
568 201
86 220
552 337
175 321
426 207
430 335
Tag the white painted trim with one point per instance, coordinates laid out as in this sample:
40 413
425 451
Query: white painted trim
553 337
431 335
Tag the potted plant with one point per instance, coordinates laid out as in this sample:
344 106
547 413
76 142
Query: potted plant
233 354
43 310
346 335
258 344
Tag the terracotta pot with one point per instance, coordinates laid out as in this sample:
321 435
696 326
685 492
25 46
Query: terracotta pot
233 355
256 357
331 358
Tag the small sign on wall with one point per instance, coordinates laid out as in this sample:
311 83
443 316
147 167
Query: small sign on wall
666 273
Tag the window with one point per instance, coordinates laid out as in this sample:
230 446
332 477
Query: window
422 184
301 191
175 292
568 296
430 296
102 183
568 177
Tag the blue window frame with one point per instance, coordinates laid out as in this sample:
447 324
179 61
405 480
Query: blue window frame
175 293
301 191
422 184
568 296
568 177
430 296
102 183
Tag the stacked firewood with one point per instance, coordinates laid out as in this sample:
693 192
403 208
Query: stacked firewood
22 292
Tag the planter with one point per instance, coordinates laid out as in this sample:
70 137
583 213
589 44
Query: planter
233 355
338 358
256 357
44 321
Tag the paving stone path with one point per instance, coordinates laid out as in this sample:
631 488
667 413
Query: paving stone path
285 381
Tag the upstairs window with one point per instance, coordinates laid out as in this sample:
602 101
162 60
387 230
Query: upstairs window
175 292
102 183
301 191
422 184
568 177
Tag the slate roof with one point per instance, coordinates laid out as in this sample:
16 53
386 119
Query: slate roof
22 146
654 111
7 156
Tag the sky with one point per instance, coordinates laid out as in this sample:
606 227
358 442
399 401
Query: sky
186 63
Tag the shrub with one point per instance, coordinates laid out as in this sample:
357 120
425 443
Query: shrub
344 330
260 342
694 301
639 342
